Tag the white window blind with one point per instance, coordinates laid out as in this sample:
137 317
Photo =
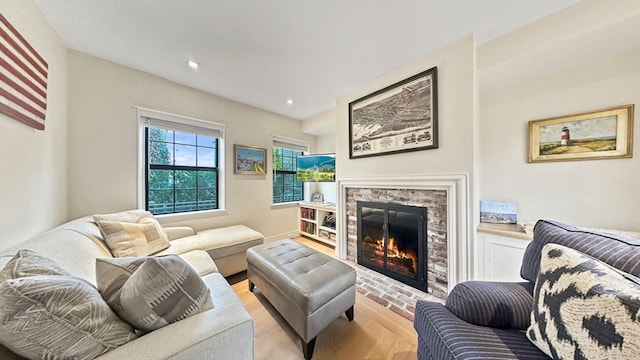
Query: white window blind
289 143
180 123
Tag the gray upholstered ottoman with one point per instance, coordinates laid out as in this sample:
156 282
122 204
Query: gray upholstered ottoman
309 289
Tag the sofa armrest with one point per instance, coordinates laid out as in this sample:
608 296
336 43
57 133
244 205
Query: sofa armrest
224 332
176 232
201 261
495 304
444 336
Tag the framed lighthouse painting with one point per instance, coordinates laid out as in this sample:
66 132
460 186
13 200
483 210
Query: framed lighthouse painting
601 134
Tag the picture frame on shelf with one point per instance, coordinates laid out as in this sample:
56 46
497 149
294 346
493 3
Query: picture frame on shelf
398 118
498 212
317 197
601 134
249 160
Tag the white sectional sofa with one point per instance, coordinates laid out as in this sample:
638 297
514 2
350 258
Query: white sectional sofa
224 332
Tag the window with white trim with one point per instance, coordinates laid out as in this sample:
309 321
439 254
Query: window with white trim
181 161
284 153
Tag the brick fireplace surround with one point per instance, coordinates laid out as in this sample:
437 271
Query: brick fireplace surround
439 201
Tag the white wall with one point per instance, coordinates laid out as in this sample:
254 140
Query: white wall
323 126
582 59
455 64
103 143
33 163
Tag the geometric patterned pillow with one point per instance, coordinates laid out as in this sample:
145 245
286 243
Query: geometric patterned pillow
132 233
58 317
29 263
152 292
583 308
132 239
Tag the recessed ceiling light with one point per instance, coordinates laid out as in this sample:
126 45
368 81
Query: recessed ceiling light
192 64
289 101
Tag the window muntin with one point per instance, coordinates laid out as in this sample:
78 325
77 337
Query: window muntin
285 186
181 171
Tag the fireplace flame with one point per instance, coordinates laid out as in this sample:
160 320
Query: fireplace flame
394 252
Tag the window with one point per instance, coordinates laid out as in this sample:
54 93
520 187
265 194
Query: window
181 166
285 186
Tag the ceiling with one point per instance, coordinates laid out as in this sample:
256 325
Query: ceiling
263 52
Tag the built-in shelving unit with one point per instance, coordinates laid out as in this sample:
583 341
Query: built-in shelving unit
313 217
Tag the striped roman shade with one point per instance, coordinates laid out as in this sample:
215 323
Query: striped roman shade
23 79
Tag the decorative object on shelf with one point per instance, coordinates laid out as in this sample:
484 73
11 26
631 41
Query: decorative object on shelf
401 117
23 90
601 134
249 160
317 197
498 212
329 221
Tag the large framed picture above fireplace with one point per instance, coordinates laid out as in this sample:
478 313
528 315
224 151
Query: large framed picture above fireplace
401 117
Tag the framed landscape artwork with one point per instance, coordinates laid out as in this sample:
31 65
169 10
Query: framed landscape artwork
249 160
601 134
401 117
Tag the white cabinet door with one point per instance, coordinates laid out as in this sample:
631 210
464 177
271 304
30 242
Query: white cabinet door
502 257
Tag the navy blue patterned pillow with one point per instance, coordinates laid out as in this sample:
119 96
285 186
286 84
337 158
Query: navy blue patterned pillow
583 308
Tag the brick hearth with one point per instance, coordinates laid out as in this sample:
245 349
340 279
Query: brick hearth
436 203
391 294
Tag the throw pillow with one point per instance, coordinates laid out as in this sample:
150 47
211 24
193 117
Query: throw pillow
130 216
58 317
494 304
131 239
583 308
152 292
29 263
132 233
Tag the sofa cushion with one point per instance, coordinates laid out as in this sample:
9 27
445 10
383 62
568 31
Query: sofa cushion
584 308
29 263
152 292
442 335
132 233
619 251
495 304
47 315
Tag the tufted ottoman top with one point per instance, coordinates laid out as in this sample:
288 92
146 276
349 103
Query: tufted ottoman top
306 277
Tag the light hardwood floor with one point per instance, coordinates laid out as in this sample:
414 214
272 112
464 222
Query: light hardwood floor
375 332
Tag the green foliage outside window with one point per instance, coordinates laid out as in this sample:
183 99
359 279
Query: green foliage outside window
182 172
285 186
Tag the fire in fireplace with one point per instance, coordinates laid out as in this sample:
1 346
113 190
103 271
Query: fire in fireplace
392 241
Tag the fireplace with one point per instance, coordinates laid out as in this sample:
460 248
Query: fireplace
392 240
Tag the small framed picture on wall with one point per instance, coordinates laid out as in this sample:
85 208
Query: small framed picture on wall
249 160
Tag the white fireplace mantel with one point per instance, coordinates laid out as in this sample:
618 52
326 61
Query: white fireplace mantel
458 227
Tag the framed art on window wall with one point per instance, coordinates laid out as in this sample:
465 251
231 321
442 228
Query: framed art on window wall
601 134
249 160
401 117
